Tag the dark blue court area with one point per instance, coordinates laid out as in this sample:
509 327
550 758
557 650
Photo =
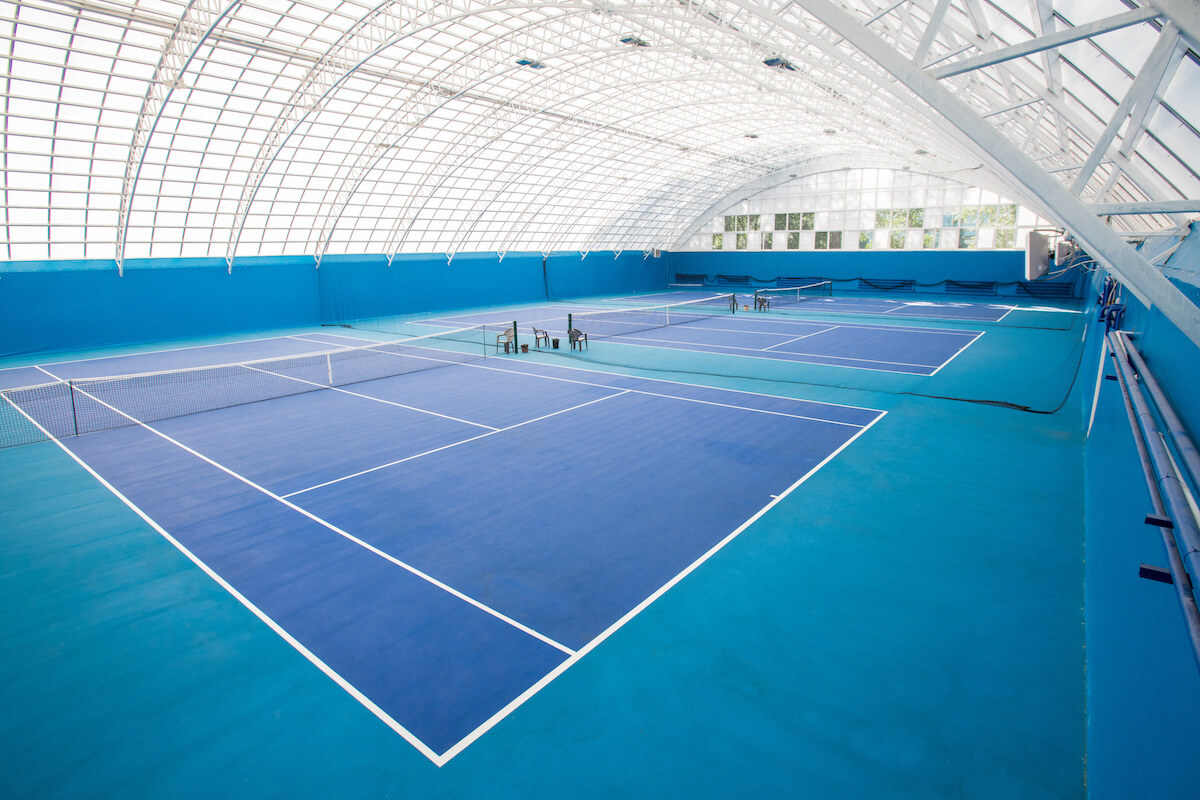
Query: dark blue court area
885 348
847 304
442 542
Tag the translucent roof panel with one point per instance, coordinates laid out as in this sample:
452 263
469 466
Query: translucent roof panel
221 128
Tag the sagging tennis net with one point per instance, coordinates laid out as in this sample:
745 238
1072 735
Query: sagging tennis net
601 324
86 405
765 298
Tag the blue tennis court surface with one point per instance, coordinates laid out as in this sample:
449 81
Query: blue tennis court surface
442 543
926 309
887 348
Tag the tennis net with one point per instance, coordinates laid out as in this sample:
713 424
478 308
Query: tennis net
601 324
86 405
765 298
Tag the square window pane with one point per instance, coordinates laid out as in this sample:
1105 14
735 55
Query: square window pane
741 222
718 241
806 220
970 215
793 222
916 217
883 218
1006 215
930 239
730 223
967 237
896 240
987 215
822 242
835 240
741 241
755 222
768 241
866 240
793 242
899 217
781 222
1005 237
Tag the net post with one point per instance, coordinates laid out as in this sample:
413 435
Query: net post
74 414
329 369
516 347
570 326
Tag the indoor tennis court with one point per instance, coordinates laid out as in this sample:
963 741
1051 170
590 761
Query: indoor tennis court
523 400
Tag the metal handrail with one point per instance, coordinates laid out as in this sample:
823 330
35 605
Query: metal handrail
1165 488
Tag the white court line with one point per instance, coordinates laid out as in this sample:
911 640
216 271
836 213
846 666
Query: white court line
956 354
476 365
653 394
809 323
368 397
493 432
573 657
350 537
48 372
631 341
150 352
798 338
255 610
642 606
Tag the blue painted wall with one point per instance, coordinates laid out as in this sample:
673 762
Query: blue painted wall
368 287
56 306
1143 684
605 272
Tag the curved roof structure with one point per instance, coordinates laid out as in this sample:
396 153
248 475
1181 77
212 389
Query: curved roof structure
161 128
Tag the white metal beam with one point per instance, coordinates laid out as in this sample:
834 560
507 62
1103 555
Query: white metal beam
1047 42
1150 207
931 31
938 103
1146 81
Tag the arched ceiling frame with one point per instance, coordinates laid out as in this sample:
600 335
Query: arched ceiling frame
199 19
737 68
386 24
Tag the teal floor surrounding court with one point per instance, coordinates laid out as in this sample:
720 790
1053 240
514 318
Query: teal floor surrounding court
907 623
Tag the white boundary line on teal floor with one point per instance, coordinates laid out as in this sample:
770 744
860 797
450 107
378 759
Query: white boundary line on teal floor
573 656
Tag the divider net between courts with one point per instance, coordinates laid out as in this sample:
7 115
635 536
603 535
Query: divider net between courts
600 324
85 405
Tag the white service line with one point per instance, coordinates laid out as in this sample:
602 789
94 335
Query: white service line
150 352
330 526
673 397
719 348
956 354
798 338
640 607
492 432
368 397
386 718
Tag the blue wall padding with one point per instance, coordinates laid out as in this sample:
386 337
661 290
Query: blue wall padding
367 287
924 266
604 272
53 310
